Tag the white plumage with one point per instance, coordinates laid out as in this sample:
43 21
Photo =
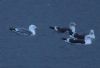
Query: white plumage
32 29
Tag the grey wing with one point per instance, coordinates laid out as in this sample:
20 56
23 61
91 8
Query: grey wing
23 32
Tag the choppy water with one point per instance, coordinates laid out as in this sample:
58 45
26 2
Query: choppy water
46 49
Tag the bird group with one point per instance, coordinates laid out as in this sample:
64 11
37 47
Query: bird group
73 36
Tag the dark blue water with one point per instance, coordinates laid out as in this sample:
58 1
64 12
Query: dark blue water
46 49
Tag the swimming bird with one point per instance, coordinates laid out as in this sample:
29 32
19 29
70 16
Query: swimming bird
70 29
31 31
82 39
82 36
